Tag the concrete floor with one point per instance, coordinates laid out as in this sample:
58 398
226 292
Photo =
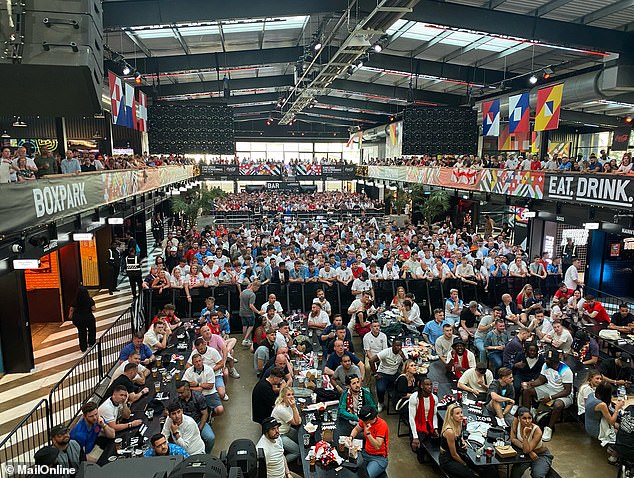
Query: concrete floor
576 455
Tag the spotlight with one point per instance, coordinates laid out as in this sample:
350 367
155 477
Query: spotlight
359 64
532 80
138 78
628 119
318 46
126 70
377 48
391 119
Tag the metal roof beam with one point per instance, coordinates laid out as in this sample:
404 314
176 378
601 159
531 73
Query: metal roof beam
604 12
533 28
129 13
381 92
548 7
371 106
237 84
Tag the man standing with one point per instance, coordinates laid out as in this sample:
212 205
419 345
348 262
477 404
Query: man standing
133 269
376 434
195 406
70 164
45 162
160 447
271 444
114 261
494 344
248 311
386 366
353 398
571 277
183 430
373 343
264 395
568 254
70 453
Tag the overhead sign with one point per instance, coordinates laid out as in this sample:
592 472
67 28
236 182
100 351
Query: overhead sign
48 199
598 190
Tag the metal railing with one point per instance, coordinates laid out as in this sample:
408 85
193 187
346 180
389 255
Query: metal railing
27 436
82 381
232 218
610 302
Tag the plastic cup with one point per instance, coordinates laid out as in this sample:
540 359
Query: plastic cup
157 386
306 439
118 442
154 373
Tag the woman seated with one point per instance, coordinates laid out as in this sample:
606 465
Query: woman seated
527 436
593 380
399 298
453 448
285 411
601 416
405 385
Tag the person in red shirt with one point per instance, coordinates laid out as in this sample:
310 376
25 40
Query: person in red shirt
563 291
191 252
595 310
536 164
376 434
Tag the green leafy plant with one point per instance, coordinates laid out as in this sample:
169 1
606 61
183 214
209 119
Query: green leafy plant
437 203
399 201
196 203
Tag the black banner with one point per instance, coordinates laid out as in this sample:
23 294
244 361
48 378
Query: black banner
621 138
598 190
328 172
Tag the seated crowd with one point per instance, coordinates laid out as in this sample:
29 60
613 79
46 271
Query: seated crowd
555 162
278 201
516 356
18 166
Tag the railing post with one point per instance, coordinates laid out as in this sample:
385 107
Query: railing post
100 359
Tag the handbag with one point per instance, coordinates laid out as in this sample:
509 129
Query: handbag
610 334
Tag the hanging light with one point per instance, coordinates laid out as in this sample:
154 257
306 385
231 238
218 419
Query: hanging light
318 46
532 80
377 48
126 70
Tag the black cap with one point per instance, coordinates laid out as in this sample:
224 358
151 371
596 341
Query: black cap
581 335
457 341
367 412
59 430
269 423
46 456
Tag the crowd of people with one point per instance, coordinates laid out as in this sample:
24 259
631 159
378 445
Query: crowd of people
283 201
17 166
601 163
524 379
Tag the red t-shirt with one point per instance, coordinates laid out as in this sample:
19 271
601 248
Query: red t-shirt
602 315
559 294
378 430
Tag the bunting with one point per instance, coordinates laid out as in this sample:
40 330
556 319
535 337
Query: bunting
130 107
116 98
142 116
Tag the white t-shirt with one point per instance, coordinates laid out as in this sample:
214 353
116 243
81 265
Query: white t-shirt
374 344
321 319
327 274
276 304
284 415
470 379
206 375
390 363
362 285
119 371
151 339
325 305
557 378
109 411
572 275
274 456
189 435
210 358
344 274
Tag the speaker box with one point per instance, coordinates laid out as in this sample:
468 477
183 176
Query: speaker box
200 466
53 61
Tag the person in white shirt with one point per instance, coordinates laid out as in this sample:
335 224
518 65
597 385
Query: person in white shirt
511 162
362 284
142 372
183 430
390 271
385 367
571 279
373 343
156 337
327 274
525 164
116 408
411 316
271 444
321 299
317 318
344 274
272 300
423 415
202 378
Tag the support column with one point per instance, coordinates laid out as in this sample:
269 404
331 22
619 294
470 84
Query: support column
60 133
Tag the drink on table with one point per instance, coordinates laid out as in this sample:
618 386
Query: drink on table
157 386
159 361
154 373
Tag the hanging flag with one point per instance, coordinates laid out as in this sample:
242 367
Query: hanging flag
504 140
535 142
519 113
548 107
491 118
116 98
130 107
142 116
393 133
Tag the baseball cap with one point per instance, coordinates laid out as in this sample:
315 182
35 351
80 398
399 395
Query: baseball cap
626 358
59 430
269 423
457 341
367 412
173 249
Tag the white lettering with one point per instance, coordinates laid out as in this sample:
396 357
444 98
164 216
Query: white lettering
582 187
82 194
48 201
69 196
38 200
552 185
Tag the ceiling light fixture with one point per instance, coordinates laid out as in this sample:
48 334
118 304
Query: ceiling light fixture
628 119
18 123
318 46
532 80
126 70
377 48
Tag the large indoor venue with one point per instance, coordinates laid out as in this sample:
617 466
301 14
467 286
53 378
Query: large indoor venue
317 239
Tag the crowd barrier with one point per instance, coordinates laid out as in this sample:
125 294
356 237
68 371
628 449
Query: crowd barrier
82 382
296 296
237 218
